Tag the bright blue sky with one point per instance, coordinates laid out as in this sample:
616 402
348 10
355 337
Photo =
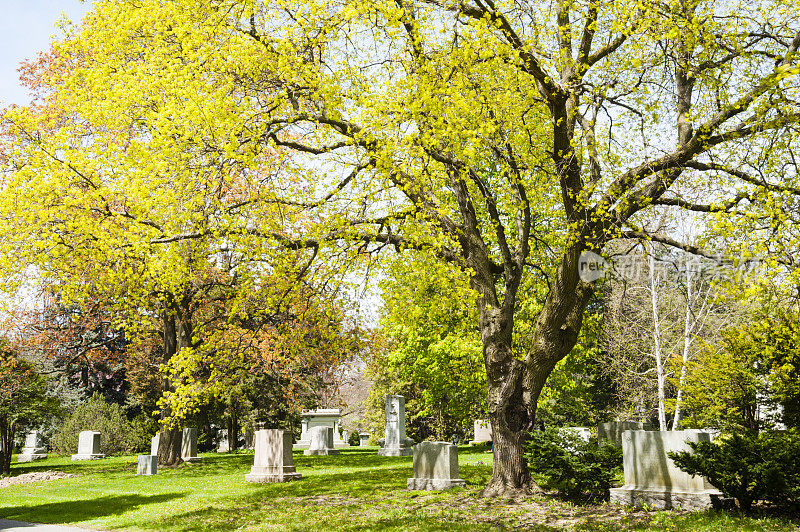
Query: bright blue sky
26 27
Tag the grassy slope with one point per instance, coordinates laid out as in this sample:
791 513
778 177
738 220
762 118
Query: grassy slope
354 491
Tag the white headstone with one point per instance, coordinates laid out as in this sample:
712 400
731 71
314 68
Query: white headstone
189 445
652 478
88 446
33 449
395 441
583 433
435 466
147 465
154 445
482 431
273 460
223 445
321 417
363 438
321 441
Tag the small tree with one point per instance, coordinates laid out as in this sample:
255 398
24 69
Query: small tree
22 400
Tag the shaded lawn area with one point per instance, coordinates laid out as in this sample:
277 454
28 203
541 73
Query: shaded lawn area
354 491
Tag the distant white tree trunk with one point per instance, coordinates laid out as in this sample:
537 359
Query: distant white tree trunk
689 328
660 376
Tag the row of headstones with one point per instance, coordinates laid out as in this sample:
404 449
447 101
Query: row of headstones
319 434
435 464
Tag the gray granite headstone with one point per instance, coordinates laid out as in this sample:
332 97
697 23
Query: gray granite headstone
273 460
33 450
189 445
653 479
88 446
321 441
611 432
395 441
482 432
148 465
435 466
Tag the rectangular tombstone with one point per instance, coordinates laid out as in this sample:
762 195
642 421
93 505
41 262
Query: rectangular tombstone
611 432
395 441
363 439
321 441
189 445
88 446
321 417
435 466
482 432
154 445
148 465
33 450
652 478
273 460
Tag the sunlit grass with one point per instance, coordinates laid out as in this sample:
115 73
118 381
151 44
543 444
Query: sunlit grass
354 491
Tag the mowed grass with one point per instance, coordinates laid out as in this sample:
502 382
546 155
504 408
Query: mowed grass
354 491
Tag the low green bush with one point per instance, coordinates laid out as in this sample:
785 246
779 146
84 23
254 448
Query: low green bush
118 435
748 466
571 466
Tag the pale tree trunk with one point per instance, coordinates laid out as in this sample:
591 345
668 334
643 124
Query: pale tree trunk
660 371
689 328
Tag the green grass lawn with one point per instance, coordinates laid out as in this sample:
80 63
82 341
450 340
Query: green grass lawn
354 491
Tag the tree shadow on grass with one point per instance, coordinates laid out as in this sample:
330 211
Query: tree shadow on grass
81 510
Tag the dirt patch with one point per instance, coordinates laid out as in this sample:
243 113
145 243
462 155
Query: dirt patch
38 476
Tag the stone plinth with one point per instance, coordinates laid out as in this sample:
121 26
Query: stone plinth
148 464
482 432
33 450
395 441
652 478
321 417
435 466
363 438
321 442
611 432
273 460
88 446
189 445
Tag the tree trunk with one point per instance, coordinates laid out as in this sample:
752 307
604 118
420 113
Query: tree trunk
169 443
508 409
6 445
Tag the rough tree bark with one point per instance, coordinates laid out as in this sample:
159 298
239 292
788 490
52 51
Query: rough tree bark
177 332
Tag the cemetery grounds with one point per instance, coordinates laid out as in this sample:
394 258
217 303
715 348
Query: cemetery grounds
354 491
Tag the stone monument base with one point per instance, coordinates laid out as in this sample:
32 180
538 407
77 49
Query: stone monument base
31 457
666 500
315 452
433 483
397 451
265 475
76 457
191 459
147 464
